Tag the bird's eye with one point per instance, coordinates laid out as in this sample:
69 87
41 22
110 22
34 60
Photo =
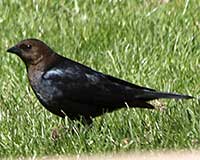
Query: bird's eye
29 46
25 46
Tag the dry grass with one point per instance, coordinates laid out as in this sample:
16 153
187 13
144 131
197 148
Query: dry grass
179 155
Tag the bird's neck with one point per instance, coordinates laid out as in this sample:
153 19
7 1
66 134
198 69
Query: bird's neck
36 71
43 63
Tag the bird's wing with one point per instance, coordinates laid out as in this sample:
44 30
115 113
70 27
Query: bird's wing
82 84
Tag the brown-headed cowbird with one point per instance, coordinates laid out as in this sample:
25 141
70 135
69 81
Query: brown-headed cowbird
68 88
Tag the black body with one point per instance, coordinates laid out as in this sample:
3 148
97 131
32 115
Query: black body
68 88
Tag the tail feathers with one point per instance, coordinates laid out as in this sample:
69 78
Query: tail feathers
150 95
140 104
172 95
141 100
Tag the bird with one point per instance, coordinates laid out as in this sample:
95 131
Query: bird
70 89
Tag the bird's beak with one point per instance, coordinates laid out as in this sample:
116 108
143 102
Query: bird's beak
14 49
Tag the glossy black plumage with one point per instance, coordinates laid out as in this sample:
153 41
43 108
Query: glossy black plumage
68 88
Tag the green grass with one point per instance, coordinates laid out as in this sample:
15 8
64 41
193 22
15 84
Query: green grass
144 42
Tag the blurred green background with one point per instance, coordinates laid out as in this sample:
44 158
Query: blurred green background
149 43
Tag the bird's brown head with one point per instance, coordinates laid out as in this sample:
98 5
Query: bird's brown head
31 51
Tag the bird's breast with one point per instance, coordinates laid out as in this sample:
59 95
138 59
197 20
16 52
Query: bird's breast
46 90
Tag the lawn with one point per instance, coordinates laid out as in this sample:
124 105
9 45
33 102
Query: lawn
144 42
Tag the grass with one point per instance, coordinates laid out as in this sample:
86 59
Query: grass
144 42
